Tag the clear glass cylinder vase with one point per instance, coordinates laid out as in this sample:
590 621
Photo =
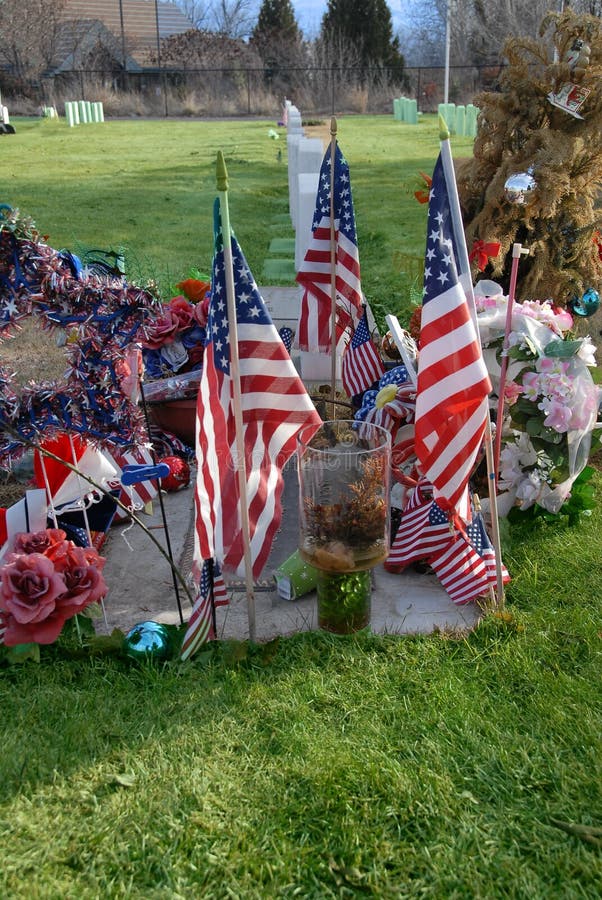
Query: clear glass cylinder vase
344 473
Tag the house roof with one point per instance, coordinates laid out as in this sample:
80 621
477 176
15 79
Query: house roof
78 40
139 21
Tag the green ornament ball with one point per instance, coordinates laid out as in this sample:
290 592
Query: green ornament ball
148 640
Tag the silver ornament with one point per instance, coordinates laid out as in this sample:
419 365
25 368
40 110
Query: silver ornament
520 188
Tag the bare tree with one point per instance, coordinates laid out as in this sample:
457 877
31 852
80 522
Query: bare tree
235 18
198 11
29 30
478 28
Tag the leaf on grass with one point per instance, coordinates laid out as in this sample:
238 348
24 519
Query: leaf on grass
22 652
107 643
123 779
504 616
234 651
269 651
588 833
346 874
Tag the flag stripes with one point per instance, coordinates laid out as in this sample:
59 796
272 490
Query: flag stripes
274 407
453 384
362 365
316 271
212 593
423 531
461 571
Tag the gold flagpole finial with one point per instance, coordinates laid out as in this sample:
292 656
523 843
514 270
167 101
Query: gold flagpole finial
443 129
333 126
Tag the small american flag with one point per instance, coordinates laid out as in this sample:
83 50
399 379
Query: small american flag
212 593
362 365
461 571
478 537
135 496
286 335
453 384
275 406
424 530
2 627
313 330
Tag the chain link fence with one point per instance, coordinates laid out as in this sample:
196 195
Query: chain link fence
318 91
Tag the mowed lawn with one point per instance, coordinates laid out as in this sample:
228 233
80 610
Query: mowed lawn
314 767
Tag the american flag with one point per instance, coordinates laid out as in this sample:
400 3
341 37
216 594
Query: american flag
424 530
135 496
425 534
2 627
453 385
461 571
313 330
212 593
478 537
275 406
362 365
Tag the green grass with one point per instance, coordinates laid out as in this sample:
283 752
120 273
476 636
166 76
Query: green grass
313 767
150 186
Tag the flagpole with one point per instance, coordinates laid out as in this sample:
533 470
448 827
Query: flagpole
333 269
466 282
517 252
222 187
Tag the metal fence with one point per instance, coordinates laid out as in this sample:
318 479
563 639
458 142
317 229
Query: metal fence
250 92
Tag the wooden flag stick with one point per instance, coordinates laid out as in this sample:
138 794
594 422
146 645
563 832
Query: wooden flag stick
333 271
466 282
82 492
517 252
48 490
82 500
222 187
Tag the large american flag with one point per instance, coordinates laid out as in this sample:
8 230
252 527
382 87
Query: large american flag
275 406
362 365
313 329
453 384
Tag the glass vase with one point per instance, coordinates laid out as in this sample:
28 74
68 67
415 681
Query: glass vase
344 601
344 471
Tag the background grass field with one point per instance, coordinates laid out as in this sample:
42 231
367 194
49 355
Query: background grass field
429 767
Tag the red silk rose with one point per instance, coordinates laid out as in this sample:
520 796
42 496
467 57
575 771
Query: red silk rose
162 331
30 586
38 541
201 311
183 310
81 569
39 591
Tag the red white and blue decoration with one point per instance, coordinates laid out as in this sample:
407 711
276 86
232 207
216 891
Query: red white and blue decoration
104 317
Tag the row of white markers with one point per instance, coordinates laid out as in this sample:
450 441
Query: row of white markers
80 112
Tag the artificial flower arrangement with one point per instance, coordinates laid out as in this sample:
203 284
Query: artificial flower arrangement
173 346
550 405
46 580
